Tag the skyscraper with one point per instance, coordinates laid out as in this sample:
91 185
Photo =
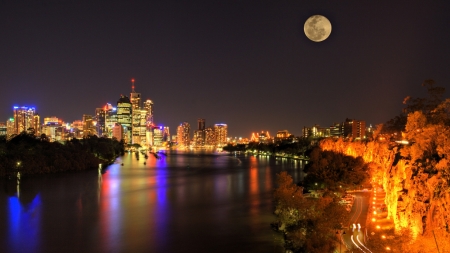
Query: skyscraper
135 100
100 117
24 119
148 106
221 131
88 125
124 116
183 134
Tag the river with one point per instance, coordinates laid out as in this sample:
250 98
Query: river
182 202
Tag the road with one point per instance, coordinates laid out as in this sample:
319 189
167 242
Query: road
354 237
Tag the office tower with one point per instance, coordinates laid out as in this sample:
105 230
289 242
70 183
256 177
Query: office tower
221 131
198 140
24 119
100 117
124 111
148 106
142 127
354 129
158 133
135 98
10 128
124 116
201 124
117 131
88 125
337 130
199 134
166 134
110 119
37 124
54 129
210 137
183 134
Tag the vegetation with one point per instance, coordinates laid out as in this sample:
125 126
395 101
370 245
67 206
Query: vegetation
36 155
288 147
335 171
308 224
426 105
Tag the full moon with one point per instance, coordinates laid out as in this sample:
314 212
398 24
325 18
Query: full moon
317 28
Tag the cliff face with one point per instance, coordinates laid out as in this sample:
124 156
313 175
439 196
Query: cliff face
417 194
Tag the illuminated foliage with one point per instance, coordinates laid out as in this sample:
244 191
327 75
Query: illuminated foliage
333 170
308 223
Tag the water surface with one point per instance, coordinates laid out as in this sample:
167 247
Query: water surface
185 202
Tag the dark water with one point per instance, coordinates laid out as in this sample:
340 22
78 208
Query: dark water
179 203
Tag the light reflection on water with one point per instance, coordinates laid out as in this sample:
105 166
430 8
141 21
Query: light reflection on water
180 203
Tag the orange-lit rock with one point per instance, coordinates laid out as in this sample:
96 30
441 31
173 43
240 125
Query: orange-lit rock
417 191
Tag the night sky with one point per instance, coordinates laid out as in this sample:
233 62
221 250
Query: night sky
244 63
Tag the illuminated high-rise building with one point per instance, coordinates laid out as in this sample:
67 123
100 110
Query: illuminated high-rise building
37 124
117 131
201 124
124 110
24 119
110 119
210 137
10 128
166 134
142 127
88 125
135 98
158 133
183 134
148 106
354 129
199 134
221 131
100 118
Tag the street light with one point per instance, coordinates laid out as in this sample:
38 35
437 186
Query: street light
340 240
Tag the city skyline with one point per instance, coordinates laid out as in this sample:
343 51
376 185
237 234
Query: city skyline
248 65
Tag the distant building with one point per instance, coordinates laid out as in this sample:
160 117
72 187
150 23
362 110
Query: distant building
183 134
24 119
100 118
355 129
10 128
210 137
117 131
316 132
337 130
54 131
220 132
124 116
88 125
158 133
282 135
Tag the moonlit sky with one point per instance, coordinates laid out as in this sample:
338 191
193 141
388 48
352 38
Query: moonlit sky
244 63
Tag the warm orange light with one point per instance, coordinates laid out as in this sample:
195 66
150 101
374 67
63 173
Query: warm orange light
388 248
132 80
373 202
378 227
383 237
373 219
374 212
